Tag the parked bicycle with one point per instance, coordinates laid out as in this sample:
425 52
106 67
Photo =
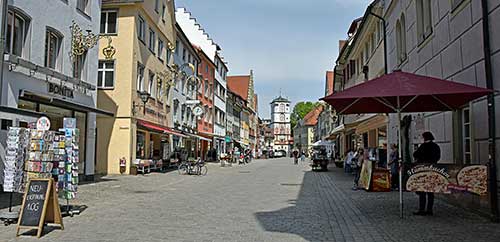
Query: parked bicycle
193 168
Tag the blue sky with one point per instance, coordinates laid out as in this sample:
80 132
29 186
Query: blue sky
289 44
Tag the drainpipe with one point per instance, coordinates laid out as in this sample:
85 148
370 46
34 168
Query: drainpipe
493 189
385 36
3 21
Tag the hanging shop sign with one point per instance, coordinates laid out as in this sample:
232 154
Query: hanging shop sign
198 111
40 206
448 179
61 90
43 123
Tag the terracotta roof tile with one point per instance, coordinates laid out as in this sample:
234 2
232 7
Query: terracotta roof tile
311 118
239 85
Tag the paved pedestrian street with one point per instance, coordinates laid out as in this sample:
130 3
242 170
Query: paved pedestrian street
266 200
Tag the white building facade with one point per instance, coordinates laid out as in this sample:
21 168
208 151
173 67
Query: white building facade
40 78
183 118
445 39
220 96
280 124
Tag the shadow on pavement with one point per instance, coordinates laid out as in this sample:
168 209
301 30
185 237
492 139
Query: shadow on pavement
304 216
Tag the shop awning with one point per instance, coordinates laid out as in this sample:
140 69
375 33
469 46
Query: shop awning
207 134
62 103
158 128
373 122
200 137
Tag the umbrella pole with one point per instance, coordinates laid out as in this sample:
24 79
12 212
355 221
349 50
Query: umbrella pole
400 165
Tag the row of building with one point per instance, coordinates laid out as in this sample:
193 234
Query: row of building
143 80
452 40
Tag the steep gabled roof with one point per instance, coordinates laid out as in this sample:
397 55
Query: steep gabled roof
311 119
239 85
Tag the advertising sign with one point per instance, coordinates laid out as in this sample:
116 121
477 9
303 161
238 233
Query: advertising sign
448 179
366 174
43 123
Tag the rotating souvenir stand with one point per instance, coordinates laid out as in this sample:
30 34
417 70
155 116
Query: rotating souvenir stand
13 173
71 161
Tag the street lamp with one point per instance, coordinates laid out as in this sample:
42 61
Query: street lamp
144 98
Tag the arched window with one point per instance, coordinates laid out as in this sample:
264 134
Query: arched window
53 44
401 40
17 31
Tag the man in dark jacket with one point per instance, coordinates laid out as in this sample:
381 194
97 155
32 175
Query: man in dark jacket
427 153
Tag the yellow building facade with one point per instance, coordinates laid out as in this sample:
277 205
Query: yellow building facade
143 35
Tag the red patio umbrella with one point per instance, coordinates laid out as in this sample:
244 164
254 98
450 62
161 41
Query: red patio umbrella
399 92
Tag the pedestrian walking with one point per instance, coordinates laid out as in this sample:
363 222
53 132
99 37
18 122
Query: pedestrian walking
295 157
356 163
394 165
302 156
427 153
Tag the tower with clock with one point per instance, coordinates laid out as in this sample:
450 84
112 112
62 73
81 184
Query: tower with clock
280 124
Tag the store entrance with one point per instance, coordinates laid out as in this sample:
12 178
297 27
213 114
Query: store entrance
56 116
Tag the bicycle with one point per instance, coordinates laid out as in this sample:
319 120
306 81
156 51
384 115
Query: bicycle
193 168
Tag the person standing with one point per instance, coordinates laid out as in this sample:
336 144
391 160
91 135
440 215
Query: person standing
394 165
427 153
295 157
356 163
302 156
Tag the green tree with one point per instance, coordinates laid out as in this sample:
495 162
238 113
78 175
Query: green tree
300 110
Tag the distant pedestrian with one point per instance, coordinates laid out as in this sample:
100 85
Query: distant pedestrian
295 157
356 163
427 153
348 159
394 165
302 156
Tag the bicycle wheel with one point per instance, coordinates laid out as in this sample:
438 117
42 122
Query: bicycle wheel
182 169
202 170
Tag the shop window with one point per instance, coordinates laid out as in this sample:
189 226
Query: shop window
53 42
160 49
83 5
108 21
466 136
140 151
140 77
106 74
79 66
141 29
424 20
17 30
6 123
152 40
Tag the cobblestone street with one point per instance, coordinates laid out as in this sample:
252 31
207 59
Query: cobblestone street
267 200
